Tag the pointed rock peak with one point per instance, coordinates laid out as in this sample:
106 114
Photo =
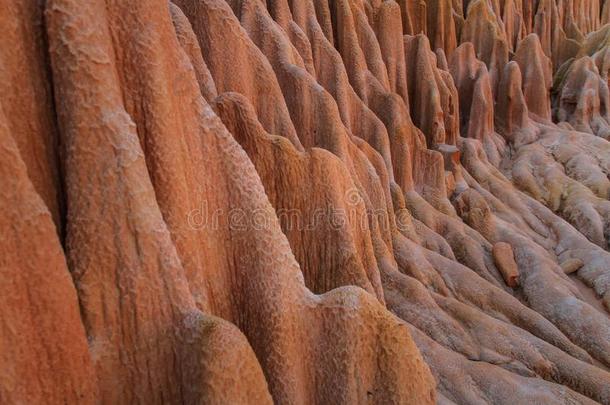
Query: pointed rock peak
479 12
441 25
465 68
441 59
464 55
285 171
190 45
386 22
414 16
595 41
223 41
605 17
426 110
473 84
485 31
584 13
551 23
478 7
514 24
572 31
537 71
583 99
511 108
435 100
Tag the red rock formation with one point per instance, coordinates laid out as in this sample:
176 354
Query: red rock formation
483 30
42 341
537 76
302 201
474 87
504 260
581 87
440 25
512 114
147 340
434 98
326 221
27 99
514 24
583 98
217 283
559 40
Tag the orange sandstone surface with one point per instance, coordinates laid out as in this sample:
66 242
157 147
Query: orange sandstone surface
305 202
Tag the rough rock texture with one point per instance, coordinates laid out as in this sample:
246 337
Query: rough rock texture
505 262
27 99
537 76
305 201
44 346
482 29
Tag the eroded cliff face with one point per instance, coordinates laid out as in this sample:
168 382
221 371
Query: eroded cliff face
305 201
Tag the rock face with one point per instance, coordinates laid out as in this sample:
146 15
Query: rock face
537 70
305 202
43 340
505 262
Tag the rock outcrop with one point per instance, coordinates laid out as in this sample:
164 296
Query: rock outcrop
305 202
